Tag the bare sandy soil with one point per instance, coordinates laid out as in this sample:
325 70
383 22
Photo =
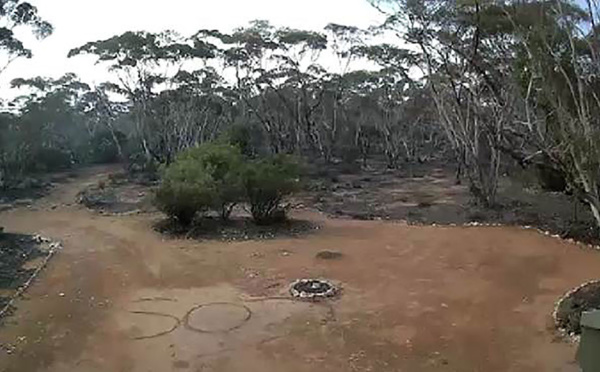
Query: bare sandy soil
121 297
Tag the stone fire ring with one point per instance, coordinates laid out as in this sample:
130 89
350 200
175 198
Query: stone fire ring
312 289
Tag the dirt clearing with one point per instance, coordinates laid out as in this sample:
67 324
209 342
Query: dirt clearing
122 297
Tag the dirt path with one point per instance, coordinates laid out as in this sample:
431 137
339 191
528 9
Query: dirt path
119 297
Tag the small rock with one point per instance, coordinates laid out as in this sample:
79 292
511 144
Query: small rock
23 202
329 255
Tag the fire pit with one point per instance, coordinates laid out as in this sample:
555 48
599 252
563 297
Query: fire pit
312 289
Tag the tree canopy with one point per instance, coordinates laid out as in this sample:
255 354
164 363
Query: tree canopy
484 83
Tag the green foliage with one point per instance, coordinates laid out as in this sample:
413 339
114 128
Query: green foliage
186 189
216 177
267 182
132 48
102 146
223 164
46 132
15 13
208 177
309 39
248 138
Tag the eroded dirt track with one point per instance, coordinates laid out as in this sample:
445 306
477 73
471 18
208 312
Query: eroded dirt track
120 297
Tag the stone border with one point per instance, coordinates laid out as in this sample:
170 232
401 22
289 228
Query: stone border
332 291
522 227
53 247
134 212
563 332
466 224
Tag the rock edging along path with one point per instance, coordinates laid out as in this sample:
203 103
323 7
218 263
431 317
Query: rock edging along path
52 248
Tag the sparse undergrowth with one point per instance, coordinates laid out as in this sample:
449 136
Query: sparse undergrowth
430 196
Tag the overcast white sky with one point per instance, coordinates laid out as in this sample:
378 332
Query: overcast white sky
79 21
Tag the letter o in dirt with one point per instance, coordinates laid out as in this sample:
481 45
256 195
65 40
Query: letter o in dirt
217 317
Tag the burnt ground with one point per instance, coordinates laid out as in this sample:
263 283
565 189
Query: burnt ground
31 188
429 194
119 193
16 252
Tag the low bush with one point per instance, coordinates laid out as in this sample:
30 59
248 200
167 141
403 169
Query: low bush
267 181
217 177
208 177
224 165
185 190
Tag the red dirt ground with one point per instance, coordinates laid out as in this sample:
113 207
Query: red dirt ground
414 298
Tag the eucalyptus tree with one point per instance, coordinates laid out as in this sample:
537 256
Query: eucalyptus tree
516 78
16 14
394 91
46 130
144 64
559 80
466 59
277 80
103 117
342 45
197 110
301 82
246 53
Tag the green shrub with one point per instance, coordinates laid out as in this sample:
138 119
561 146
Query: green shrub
247 137
185 190
207 177
267 181
216 177
224 165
